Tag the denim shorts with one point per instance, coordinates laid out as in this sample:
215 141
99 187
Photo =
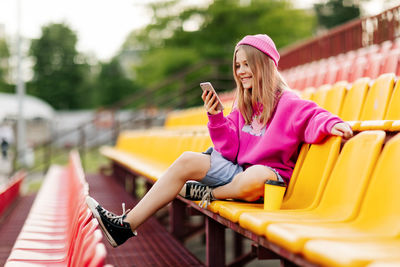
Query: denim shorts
222 171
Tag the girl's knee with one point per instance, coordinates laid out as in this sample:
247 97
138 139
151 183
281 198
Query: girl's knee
187 158
192 164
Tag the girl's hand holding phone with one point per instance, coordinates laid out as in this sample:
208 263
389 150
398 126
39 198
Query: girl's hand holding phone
210 102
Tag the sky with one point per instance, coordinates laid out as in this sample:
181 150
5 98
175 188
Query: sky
101 25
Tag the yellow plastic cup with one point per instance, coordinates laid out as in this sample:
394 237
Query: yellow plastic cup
273 194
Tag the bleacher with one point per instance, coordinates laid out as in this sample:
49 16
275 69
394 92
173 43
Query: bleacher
333 186
9 192
340 208
370 61
59 229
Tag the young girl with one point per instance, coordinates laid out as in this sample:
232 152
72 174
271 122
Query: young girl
257 141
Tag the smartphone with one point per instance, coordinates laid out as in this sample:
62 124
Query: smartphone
207 86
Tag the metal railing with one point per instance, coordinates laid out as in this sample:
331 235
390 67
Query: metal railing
347 37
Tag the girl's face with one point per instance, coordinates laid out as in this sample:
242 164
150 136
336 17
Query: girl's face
243 71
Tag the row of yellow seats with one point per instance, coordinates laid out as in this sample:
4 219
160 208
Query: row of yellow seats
191 116
162 146
347 193
361 102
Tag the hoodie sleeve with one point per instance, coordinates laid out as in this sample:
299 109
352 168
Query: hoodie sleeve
224 133
311 122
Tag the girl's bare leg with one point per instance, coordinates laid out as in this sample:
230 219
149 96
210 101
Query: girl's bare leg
247 185
189 166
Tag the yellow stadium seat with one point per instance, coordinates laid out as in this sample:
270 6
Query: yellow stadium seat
342 194
313 174
335 96
171 151
395 126
320 94
354 100
299 163
393 111
378 216
385 263
203 142
186 143
378 98
353 253
190 117
172 119
236 208
308 186
308 93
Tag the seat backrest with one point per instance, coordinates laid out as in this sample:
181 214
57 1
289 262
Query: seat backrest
381 202
310 73
391 61
354 100
313 174
378 98
86 232
335 96
133 141
308 93
320 95
173 118
202 142
320 72
374 65
332 74
393 111
344 71
99 256
89 252
357 69
299 163
350 176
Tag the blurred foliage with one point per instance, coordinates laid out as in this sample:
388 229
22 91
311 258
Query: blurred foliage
335 12
63 77
59 71
111 85
4 67
179 37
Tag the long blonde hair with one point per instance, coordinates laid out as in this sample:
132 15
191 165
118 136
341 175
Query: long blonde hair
265 92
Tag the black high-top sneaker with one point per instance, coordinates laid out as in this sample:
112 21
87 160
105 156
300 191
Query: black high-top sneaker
115 229
198 191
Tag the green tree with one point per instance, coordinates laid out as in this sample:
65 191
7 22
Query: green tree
4 67
335 12
59 71
179 37
111 85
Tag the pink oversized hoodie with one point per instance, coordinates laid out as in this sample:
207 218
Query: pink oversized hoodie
276 145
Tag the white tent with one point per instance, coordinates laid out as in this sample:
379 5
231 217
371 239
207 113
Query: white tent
33 108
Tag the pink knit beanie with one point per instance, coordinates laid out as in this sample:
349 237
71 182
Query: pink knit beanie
263 43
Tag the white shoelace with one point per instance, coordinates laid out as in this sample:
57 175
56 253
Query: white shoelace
115 218
206 199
